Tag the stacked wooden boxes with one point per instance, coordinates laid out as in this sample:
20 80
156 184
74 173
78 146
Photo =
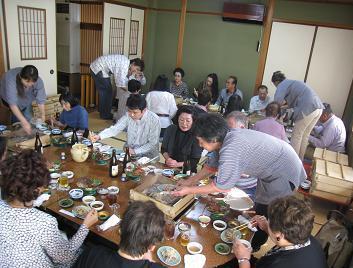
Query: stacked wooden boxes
332 177
52 107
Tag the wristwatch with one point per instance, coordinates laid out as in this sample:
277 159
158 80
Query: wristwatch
241 260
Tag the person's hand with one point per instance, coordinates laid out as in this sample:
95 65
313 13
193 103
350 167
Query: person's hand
94 138
240 250
27 127
261 222
185 183
170 162
91 218
181 191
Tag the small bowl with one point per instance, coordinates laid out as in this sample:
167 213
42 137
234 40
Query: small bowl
305 184
88 199
76 193
97 205
219 225
90 191
246 243
204 220
113 189
87 142
222 248
56 131
103 191
103 215
194 248
66 203
55 175
69 174
184 226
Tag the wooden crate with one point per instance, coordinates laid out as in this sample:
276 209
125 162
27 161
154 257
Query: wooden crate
170 211
331 156
29 144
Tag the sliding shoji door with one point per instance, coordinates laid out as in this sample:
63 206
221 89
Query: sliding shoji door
288 51
31 37
122 30
331 66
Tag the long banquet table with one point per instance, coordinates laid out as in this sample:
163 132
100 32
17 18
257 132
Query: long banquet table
208 236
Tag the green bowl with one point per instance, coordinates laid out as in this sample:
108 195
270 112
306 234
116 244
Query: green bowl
217 216
132 177
89 191
66 203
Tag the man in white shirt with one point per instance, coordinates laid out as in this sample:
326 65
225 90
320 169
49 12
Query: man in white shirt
123 69
330 131
143 128
260 101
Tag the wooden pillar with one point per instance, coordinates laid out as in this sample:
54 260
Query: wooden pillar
181 33
264 43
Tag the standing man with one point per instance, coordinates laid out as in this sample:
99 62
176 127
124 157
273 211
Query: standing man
260 101
307 108
19 88
123 70
243 151
230 90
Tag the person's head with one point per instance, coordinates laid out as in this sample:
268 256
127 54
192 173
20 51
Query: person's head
136 65
134 86
28 76
161 83
273 109
234 104
142 227
231 83
277 77
68 101
210 131
136 106
263 92
204 97
24 176
290 219
212 82
185 117
326 113
3 148
178 74
237 119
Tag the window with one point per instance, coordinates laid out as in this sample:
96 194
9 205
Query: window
33 33
116 36
134 31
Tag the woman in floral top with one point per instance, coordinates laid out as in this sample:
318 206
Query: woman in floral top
178 87
28 236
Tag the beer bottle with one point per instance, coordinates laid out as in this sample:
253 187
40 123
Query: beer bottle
187 167
113 166
38 146
74 138
126 159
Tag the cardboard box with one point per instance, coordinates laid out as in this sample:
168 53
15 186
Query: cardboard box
331 156
170 211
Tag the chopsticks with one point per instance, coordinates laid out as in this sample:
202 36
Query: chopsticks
245 225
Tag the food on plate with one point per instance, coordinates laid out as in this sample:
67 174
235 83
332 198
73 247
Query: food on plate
161 193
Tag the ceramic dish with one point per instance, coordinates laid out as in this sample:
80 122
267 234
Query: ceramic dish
102 158
194 248
113 189
66 203
245 243
219 225
81 211
222 249
55 175
97 205
102 191
228 235
168 172
103 215
88 199
305 184
95 182
46 132
183 226
217 216
76 193
86 142
90 191
69 174
56 131
169 255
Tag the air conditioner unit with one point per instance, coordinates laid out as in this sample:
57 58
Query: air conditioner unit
246 13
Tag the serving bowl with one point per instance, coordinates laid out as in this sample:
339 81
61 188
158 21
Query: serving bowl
88 199
219 225
76 193
97 205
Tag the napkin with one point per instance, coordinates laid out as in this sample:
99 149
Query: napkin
112 221
194 261
40 199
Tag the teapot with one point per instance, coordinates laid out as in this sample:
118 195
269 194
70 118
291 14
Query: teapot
79 152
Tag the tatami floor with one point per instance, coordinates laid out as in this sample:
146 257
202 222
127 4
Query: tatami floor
320 207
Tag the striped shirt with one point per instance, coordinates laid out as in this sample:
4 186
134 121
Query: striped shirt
180 90
271 160
142 135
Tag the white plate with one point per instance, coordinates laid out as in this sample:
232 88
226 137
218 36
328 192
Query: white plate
167 262
236 236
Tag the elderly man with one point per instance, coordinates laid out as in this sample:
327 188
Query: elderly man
331 132
260 101
143 128
230 90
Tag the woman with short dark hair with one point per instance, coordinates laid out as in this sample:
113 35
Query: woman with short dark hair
73 115
289 225
234 104
178 87
179 142
30 237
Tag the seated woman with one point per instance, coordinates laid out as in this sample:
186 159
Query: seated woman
234 104
161 102
141 228
211 84
179 143
73 114
30 237
289 225
178 87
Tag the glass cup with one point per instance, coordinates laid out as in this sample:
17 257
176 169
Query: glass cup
185 238
63 182
169 229
115 209
112 199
